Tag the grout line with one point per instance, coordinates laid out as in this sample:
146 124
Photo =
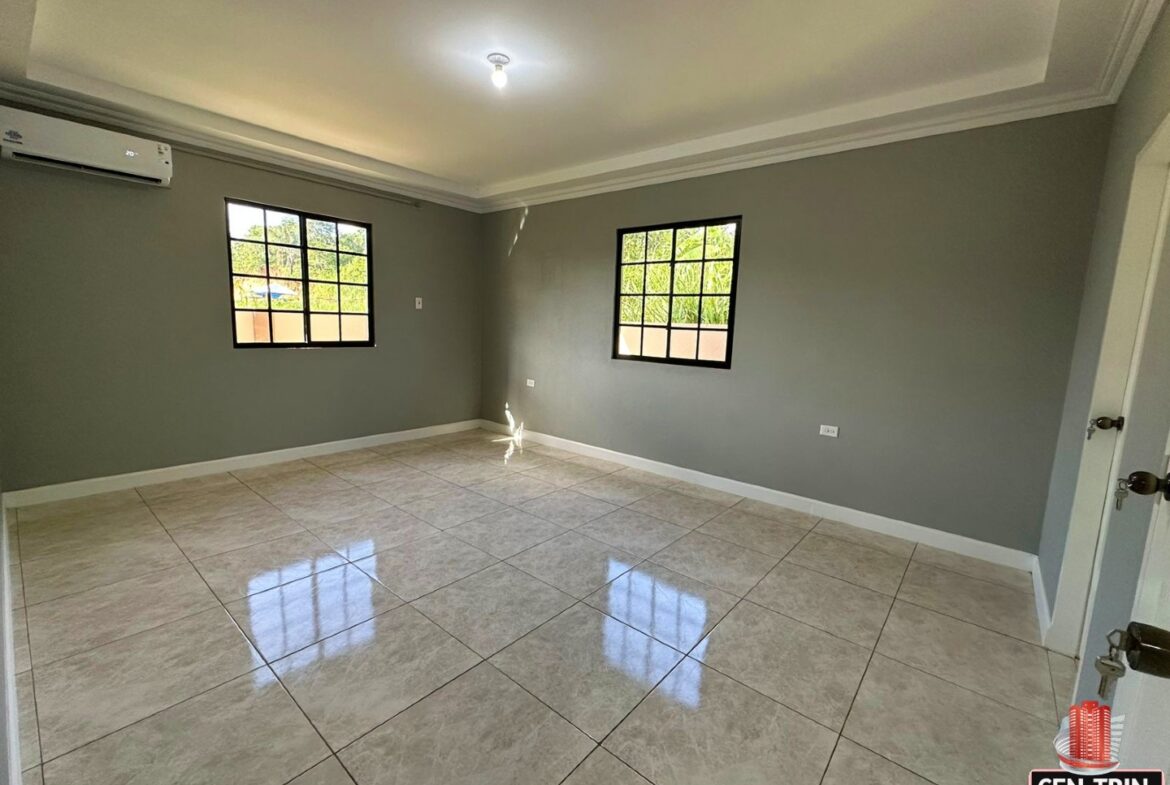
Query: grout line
868 663
686 656
556 488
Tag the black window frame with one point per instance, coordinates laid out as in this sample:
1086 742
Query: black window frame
617 298
302 217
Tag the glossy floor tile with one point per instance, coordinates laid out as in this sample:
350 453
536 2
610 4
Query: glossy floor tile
85 506
882 542
452 508
409 488
987 604
492 608
640 534
88 695
975 568
290 617
481 729
716 562
353 681
80 622
575 564
246 732
505 533
327 772
602 768
187 508
1064 680
76 571
853 764
677 508
264 566
332 506
459 609
801 520
563 474
666 605
30 743
423 566
765 535
567 508
370 471
209 538
700 727
807 670
989 663
615 490
514 489
844 609
365 535
924 724
74 536
872 568
588 667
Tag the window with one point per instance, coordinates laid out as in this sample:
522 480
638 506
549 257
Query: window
675 298
282 261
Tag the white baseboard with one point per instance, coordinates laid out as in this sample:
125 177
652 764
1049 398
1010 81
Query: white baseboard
120 482
957 543
1043 614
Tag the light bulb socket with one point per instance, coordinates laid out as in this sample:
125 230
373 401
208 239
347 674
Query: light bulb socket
499 75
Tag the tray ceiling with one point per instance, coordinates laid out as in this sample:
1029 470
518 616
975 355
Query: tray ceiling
602 95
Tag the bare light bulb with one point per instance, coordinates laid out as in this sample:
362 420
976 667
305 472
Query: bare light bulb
499 76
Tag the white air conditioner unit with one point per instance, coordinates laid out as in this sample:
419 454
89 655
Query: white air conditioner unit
36 139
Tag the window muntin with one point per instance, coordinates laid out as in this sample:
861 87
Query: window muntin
298 279
675 299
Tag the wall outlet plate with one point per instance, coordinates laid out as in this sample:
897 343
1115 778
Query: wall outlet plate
829 430
418 303
530 382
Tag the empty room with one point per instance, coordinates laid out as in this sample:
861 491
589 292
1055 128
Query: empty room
602 393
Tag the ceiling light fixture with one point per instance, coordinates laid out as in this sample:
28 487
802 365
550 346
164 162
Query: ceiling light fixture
499 77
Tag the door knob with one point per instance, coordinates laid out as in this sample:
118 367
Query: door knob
1143 484
1147 483
1105 424
1148 649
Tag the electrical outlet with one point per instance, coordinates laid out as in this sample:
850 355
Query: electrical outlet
418 303
829 430
530 382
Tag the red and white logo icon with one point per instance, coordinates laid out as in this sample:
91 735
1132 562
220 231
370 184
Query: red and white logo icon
1089 741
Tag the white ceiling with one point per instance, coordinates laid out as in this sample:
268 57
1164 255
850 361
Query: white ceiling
602 94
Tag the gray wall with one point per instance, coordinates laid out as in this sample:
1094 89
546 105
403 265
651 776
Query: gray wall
116 337
923 296
1142 107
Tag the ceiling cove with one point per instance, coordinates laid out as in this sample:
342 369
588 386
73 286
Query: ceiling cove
398 96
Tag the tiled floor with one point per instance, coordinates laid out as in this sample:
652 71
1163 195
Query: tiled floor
437 612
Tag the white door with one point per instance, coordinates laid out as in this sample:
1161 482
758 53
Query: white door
1132 578
1145 700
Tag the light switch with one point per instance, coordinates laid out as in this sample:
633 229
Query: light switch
530 382
418 303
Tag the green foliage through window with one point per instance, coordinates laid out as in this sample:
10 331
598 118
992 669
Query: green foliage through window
676 286
298 279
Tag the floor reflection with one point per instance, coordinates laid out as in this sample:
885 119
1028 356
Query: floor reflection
286 618
671 614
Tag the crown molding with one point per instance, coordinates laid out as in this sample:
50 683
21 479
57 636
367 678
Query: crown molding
829 144
981 101
1140 17
246 142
